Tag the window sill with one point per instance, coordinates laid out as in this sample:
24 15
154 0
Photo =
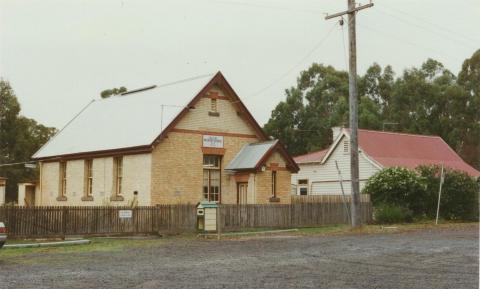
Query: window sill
274 200
87 198
62 199
213 113
116 198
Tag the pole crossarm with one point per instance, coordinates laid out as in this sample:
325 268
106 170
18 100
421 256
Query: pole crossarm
349 11
353 108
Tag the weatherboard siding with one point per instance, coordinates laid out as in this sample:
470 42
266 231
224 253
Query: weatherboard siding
324 179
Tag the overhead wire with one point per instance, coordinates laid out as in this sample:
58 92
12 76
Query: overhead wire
301 61
263 6
438 26
406 41
410 23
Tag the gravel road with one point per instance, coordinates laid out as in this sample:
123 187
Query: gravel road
437 258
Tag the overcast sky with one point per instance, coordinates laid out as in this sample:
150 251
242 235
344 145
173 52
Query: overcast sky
58 55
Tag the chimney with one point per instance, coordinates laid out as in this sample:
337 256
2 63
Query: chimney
336 131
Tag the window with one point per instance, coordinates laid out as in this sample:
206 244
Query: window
88 178
303 182
211 178
118 174
303 187
62 192
213 108
274 184
213 105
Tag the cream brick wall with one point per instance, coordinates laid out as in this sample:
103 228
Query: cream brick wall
49 183
263 182
227 121
177 161
177 169
173 172
102 183
136 177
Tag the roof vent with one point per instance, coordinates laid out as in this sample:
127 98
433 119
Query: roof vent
139 90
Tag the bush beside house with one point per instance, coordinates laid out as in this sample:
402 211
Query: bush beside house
400 195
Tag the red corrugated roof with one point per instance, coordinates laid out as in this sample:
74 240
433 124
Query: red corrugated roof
312 157
410 150
391 149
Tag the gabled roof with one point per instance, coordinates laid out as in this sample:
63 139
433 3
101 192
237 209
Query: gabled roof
313 157
252 156
410 150
389 149
135 121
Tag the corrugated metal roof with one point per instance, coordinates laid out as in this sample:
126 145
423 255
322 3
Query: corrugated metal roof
312 157
391 149
410 150
250 154
123 121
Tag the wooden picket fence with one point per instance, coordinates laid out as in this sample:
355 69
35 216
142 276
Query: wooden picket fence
234 217
27 222
96 220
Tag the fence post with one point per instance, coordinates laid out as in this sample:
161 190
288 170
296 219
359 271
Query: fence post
135 216
219 225
64 222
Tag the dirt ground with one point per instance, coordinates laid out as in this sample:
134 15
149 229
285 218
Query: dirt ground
429 258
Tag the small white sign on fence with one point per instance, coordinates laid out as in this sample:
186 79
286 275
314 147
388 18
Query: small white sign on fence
125 214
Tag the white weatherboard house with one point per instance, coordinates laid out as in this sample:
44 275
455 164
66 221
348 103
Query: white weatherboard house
318 173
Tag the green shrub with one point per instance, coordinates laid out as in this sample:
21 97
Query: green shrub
459 199
389 214
417 192
397 187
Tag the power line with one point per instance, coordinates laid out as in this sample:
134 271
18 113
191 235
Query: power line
425 28
424 20
263 6
282 76
184 80
406 41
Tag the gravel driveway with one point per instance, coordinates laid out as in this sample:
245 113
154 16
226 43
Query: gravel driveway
438 258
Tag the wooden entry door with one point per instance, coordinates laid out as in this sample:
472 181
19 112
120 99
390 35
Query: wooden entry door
242 191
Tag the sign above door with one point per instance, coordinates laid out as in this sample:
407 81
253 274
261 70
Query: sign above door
212 141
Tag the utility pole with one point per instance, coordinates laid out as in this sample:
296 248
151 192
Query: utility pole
353 107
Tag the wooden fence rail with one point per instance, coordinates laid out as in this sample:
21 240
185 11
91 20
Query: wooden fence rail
61 221
327 198
234 217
